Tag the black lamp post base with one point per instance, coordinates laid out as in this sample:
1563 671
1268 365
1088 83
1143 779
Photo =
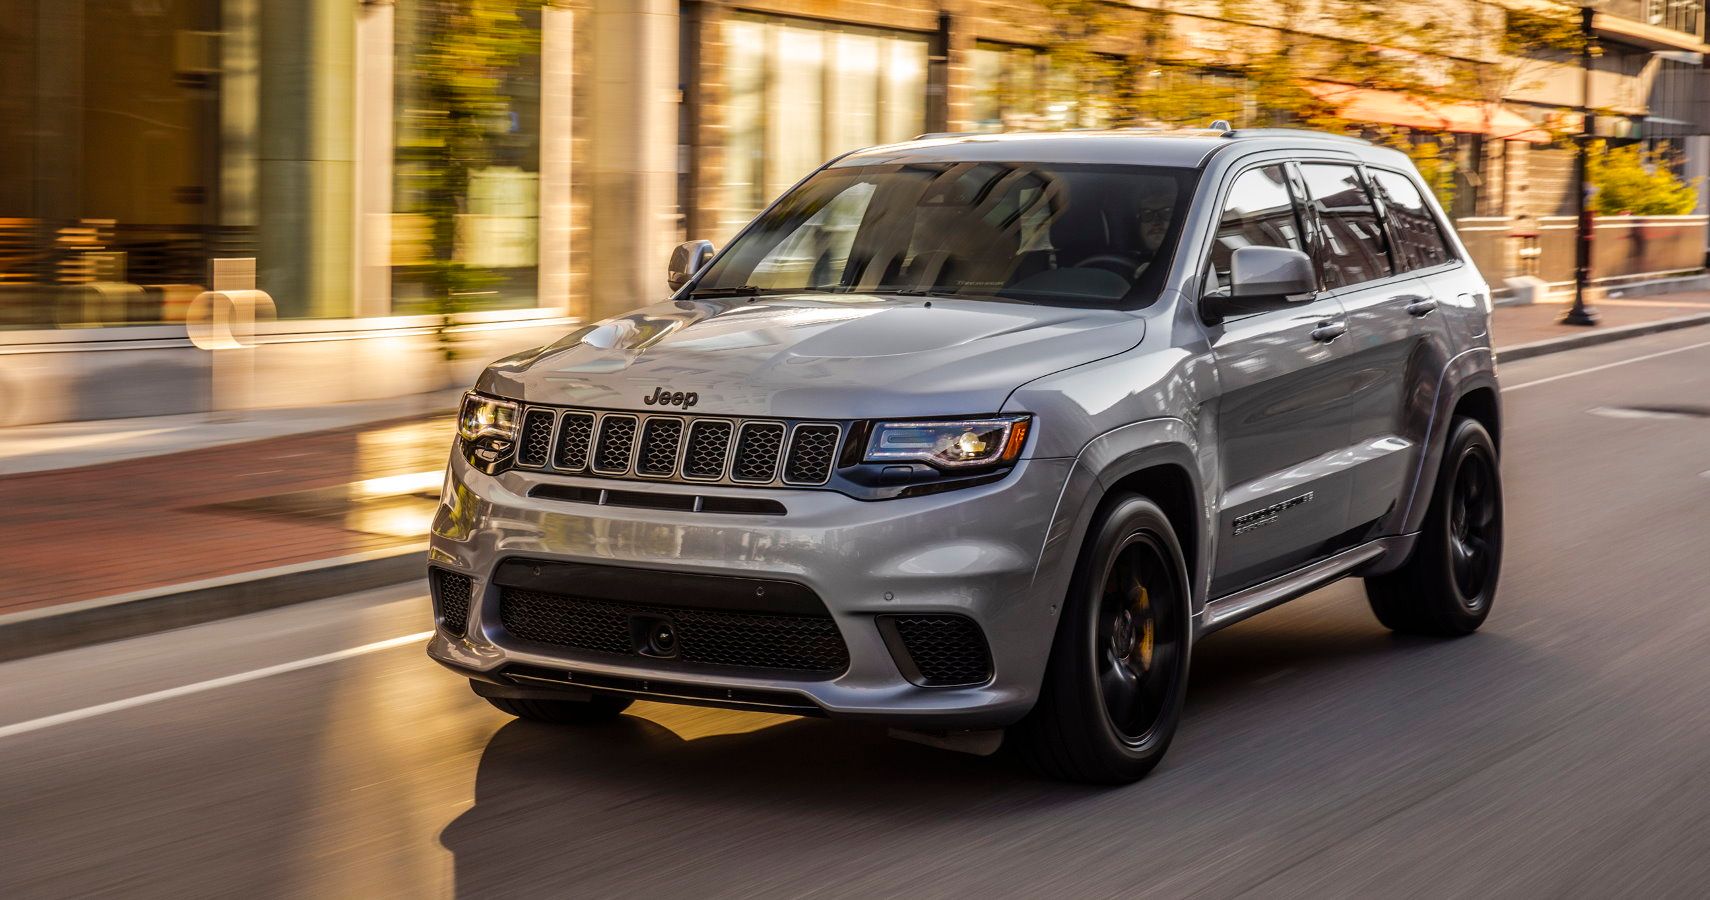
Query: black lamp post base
1580 315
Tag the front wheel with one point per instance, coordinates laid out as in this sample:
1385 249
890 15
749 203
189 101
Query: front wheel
1446 588
1114 687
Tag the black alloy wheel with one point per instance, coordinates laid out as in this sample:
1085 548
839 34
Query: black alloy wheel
1475 530
1113 690
1445 589
1139 640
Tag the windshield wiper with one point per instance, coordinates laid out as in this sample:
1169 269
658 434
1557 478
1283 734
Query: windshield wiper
746 290
915 292
749 290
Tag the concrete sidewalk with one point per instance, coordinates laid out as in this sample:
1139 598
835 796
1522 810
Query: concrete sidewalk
132 526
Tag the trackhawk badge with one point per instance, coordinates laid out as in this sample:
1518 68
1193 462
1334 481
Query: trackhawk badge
662 397
1269 514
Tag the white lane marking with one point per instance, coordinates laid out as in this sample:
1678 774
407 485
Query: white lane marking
1621 362
102 709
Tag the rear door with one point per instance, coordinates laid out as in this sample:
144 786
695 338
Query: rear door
1281 417
1396 339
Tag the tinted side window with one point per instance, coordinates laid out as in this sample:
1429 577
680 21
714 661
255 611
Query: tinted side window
1351 242
1257 213
1419 240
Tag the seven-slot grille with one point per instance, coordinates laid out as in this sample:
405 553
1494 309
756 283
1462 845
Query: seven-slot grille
662 447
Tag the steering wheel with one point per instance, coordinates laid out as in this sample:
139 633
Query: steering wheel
1125 264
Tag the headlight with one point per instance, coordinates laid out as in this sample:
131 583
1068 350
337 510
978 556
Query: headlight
488 429
950 444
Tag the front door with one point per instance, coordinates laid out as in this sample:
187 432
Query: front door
1282 416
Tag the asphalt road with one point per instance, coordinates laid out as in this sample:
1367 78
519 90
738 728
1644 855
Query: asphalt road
1562 751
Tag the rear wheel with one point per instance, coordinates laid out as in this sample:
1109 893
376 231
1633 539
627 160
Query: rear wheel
563 712
1446 588
1113 690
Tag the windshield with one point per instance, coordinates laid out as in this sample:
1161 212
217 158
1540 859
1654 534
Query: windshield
1080 234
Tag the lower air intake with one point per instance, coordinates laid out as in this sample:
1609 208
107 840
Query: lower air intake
452 593
714 637
938 650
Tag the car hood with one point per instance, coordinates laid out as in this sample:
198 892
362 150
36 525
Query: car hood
815 356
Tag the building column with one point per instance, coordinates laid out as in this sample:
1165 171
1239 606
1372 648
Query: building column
959 70
634 152
557 71
306 161
704 95
373 169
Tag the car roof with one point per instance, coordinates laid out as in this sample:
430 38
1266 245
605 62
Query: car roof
1176 148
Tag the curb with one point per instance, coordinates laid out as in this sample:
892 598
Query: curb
1598 336
103 619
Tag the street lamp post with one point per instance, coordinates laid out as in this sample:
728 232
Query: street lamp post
1581 313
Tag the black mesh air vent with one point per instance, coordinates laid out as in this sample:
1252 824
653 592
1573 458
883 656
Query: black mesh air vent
575 434
945 650
705 636
709 444
617 439
659 440
813 449
757 446
536 443
452 593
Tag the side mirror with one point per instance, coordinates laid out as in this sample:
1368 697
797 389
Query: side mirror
1278 274
686 262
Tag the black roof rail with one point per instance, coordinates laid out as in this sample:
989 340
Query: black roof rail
939 135
1293 132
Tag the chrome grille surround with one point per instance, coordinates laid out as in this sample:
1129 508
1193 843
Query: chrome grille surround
614 448
706 453
575 441
759 446
534 445
660 447
811 454
686 448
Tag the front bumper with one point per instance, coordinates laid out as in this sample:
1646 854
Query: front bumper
975 552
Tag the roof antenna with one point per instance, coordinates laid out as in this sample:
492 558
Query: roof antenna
1220 125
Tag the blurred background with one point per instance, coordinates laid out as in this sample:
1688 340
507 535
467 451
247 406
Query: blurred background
419 180
251 252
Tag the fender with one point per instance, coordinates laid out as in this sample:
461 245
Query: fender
1099 467
1467 371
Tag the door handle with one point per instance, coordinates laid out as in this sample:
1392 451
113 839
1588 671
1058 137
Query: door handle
1329 331
1421 307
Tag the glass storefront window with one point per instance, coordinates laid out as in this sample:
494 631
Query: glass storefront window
112 201
482 210
1020 88
795 105
800 93
745 122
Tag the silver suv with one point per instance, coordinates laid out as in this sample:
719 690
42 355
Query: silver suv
975 436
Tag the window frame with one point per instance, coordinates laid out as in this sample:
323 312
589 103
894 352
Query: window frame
1202 269
1319 257
1450 244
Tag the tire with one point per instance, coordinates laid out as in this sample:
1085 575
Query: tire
1114 687
1445 589
563 712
